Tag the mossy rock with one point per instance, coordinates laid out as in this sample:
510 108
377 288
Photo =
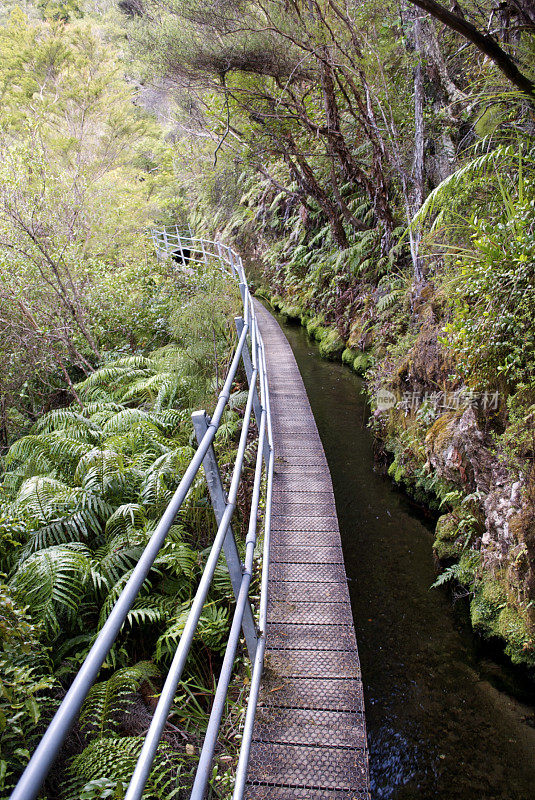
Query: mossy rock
512 627
494 616
331 344
440 431
276 301
348 357
292 311
361 363
357 332
447 542
489 600
469 565
316 328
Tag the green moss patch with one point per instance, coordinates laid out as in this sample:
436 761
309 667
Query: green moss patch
447 542
315 328
361 363
331 344
493 614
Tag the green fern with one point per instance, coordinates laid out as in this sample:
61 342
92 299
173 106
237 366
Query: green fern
114 759
449 574
474 169
108 700
51 583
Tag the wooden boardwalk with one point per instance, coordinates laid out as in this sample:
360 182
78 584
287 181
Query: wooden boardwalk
309 741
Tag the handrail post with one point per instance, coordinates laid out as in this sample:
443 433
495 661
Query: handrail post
219 503
179 240
248 366
231 261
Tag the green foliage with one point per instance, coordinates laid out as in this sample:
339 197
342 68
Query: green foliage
52 582
109 699
316 328
81 495
116 758
76 272
494 615
361 363
491 332
202 330
490 277
331 344
25 688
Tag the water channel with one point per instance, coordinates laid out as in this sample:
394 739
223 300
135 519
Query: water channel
446 718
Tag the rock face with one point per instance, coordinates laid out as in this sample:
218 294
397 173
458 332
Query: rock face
460 452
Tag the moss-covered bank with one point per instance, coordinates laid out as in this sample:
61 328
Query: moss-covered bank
444 460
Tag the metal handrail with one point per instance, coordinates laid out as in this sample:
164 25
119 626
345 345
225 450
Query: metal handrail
249 350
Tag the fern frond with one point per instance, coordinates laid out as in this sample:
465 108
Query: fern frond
475 168
124 519
52 582
127 418
67 419
107 700
449 574
113 759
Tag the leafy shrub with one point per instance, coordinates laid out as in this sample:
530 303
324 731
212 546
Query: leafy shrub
24 689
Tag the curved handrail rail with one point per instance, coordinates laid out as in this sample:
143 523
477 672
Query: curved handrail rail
249 350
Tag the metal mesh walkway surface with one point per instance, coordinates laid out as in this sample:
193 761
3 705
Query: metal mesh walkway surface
309 739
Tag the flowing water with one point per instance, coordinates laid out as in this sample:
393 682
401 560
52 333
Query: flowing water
445 718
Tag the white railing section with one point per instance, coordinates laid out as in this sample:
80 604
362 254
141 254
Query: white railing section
188 251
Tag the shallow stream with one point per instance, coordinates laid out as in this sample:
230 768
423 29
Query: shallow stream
446 718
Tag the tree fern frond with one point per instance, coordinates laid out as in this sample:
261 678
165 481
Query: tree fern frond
164 475
96 465
148 610
475 168
228 428
51 582
125 419
107 700
125 518
113 759
238 399
67 419
387 301
114 593
113 561
180 558
34 451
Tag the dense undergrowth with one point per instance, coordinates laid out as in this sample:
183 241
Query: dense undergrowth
81 494
453 352
106 351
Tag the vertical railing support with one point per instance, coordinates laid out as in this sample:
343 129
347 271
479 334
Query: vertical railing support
219 503
248 366
231 259
179 239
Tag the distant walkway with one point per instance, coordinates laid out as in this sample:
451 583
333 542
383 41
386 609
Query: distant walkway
309 740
